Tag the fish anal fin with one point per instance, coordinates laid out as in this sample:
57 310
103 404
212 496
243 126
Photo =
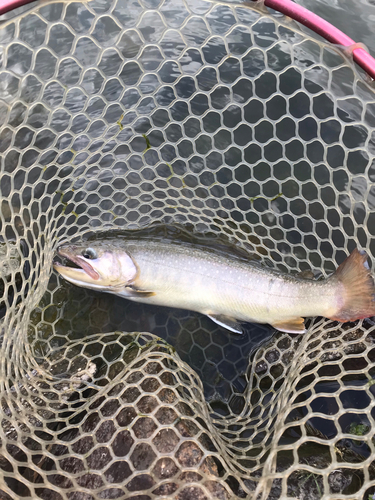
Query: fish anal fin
229 323
133 291
294 325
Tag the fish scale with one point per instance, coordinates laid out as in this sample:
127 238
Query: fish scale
233 288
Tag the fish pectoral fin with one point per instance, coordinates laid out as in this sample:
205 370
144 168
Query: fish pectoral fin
295 325
229 323
133 291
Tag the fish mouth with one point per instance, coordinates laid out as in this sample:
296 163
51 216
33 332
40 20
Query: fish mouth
83 268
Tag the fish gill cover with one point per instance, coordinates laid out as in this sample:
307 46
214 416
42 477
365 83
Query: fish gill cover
228 122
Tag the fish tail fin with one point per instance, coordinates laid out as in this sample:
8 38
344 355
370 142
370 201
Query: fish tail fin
358 298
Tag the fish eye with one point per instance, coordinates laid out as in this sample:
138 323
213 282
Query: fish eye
89 253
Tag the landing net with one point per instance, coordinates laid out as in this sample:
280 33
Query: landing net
224 120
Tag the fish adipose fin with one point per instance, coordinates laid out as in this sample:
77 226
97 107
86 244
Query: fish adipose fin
358 297
132 291
228 323
306 275
295 325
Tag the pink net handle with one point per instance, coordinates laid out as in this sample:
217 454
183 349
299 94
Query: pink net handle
325 29
296 12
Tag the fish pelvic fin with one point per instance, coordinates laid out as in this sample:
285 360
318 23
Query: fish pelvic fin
294 325
355 276
227 322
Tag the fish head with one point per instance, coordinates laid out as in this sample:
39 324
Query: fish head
97 266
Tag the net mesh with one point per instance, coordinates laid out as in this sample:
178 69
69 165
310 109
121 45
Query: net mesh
225 120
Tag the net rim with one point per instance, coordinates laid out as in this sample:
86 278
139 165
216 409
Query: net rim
325 29
287 7
9 5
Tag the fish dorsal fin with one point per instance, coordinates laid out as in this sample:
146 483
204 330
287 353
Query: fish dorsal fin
229 323
133 291
295 325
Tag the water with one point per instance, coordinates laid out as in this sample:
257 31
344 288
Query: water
355 18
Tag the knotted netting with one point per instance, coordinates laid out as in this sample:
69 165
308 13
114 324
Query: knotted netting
221 119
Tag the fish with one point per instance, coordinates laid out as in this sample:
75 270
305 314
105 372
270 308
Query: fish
228 289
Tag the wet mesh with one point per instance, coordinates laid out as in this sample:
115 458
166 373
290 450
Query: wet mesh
227 121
